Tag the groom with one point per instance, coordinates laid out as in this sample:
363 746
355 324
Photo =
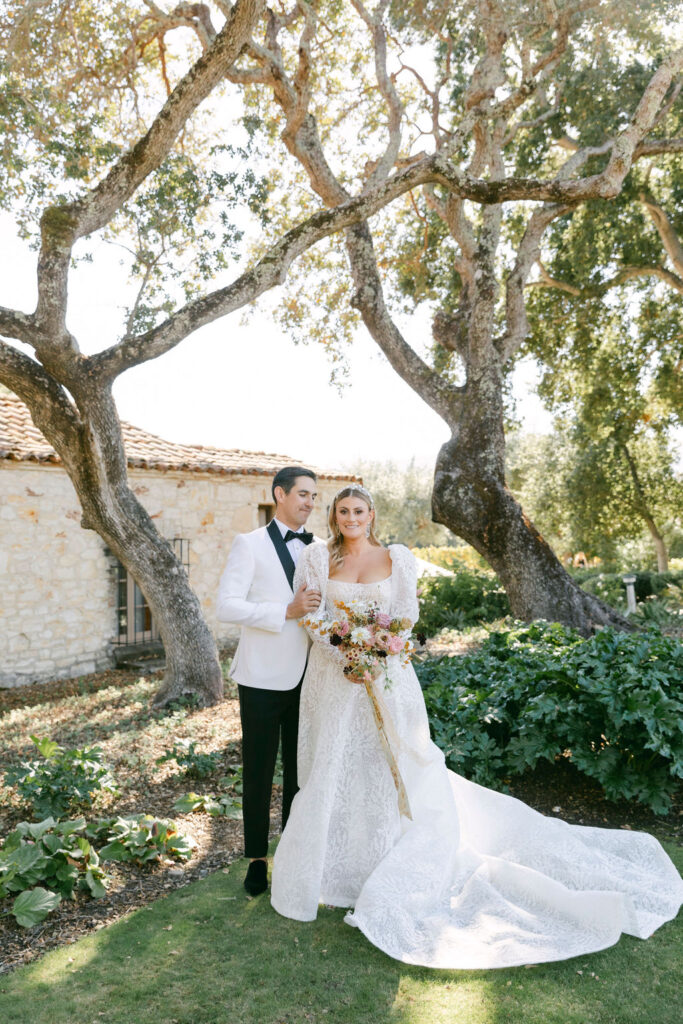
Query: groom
256 592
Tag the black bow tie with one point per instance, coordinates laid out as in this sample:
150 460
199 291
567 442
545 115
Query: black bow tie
304 536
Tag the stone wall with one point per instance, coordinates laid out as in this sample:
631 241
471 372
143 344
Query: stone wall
57 582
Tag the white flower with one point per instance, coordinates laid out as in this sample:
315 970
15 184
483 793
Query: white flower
360 635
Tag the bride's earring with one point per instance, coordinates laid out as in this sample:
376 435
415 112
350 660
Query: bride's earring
367 530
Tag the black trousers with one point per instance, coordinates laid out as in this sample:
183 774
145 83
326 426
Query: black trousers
267 716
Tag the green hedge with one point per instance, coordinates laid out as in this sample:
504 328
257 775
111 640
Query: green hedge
464 599
613 704
610 586
470 597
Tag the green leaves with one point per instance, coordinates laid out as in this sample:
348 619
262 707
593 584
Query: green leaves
63 857
613 704
225 805
65 780
141 838
48 748
195 764
464 599
34 905
52 853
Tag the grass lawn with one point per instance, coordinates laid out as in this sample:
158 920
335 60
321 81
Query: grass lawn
206 954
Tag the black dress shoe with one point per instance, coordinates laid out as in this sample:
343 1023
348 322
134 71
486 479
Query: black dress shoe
256 880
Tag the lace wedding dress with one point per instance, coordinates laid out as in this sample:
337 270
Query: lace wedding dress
476 879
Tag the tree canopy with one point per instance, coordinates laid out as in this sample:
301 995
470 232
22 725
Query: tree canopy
466 131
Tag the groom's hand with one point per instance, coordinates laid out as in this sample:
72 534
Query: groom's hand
305 600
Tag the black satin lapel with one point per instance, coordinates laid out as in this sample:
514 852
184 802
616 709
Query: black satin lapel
283 554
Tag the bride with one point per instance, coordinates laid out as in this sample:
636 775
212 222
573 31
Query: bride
473 878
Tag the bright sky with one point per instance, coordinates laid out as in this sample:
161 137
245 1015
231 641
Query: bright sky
248 386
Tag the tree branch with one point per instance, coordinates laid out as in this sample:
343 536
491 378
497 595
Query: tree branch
596 291
62 225
642 121
50 407
517 325
666 231
305 144
369 300
655 147
388 91
270 271
21 326
96 209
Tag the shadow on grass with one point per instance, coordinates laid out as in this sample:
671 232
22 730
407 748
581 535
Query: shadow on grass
204 955
208 955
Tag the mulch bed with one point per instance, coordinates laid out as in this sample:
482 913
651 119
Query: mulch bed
557 789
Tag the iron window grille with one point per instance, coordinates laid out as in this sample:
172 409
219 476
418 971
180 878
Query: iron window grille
135 622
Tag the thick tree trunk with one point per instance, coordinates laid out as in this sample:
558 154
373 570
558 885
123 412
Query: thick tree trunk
470 498
660 548
89 441
191 658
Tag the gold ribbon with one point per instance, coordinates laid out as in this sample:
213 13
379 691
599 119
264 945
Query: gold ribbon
403 805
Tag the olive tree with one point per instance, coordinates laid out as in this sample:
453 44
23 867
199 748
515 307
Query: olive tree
103 136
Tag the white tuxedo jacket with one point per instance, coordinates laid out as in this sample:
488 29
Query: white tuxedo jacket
254 593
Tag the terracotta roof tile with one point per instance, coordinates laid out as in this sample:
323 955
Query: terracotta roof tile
21 440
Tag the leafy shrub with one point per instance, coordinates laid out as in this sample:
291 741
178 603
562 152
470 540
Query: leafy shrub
185 702
65 781
195 764
613 704
464 599
659 611
228 804
224 805
610 586
141 838
54 853
62 855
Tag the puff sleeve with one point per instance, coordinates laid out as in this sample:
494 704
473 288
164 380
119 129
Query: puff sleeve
313 570
404 603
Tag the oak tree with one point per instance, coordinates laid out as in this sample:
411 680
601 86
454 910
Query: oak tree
454 109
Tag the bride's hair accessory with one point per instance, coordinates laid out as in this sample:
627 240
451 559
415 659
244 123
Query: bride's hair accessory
354 489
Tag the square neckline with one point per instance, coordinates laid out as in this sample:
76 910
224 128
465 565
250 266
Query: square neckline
331 579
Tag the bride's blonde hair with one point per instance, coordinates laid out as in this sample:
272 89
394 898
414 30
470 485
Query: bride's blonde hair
336 541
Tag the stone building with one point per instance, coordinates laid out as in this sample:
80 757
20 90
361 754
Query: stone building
66 604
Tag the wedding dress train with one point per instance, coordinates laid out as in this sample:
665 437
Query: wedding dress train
476 879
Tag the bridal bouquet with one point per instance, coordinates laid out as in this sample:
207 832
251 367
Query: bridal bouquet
366 637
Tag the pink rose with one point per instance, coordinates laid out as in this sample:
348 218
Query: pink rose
343 629
383 620
395 645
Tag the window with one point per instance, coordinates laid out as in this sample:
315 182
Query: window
135 624
265 514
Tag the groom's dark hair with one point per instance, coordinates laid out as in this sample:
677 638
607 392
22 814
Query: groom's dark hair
285 478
